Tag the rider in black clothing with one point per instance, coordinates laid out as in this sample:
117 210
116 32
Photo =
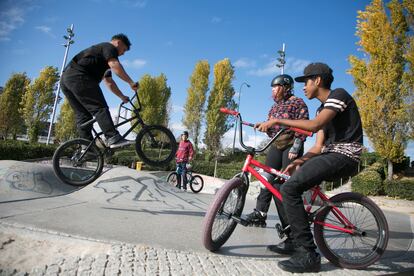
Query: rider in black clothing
336 154
80 84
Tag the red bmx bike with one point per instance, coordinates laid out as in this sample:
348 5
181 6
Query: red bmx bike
350 230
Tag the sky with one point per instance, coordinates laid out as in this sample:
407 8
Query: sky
171 36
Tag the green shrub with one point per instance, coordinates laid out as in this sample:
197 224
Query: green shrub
379 168
369 158
400 188
20 150
368 182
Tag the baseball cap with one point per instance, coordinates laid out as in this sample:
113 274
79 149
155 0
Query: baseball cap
314 69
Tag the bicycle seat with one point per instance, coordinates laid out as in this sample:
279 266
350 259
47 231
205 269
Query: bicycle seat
91 121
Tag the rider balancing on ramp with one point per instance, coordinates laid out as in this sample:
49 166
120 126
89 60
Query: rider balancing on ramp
80 84
336 154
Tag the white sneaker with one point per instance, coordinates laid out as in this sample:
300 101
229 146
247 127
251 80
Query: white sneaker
121 143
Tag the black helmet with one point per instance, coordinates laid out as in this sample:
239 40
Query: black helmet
284 80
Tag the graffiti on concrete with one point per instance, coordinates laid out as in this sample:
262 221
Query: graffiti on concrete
26 180
148 190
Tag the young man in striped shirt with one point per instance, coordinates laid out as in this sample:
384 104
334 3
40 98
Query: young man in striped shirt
335 155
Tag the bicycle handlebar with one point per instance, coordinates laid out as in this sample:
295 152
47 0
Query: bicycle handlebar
283 128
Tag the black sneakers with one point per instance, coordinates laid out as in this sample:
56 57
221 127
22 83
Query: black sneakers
286 247
120 143
256 219
302 261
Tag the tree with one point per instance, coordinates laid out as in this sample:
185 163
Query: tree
409 73
196 98
154 95
65 128
10 119
221 96
381 78
37 102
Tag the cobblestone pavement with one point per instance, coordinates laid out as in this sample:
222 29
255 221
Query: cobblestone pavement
128 259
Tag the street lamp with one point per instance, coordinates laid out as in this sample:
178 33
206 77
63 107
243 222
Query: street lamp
238 109
69 41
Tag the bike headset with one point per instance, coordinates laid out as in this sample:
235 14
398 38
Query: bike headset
284 80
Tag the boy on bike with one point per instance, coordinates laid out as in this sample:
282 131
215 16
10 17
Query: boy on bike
183 156
80 84
336 154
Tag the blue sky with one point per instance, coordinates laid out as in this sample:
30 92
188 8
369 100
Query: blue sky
171 36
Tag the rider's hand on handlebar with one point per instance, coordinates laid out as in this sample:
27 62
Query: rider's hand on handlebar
263 127
134 85
125 99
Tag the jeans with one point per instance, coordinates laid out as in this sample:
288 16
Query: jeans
87 100
182 174
277 159
327 166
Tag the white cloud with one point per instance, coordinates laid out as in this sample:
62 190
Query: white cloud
135 64
177 108
45 29
10 19
216 20
244 63
292 66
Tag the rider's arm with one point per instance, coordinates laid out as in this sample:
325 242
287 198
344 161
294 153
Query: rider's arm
110 83
323 117
117 68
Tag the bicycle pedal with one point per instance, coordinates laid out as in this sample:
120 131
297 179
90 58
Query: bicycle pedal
280 231
240 220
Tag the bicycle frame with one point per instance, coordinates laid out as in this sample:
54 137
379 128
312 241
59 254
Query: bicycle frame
136 116
251 164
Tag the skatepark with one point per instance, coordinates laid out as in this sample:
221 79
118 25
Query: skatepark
133 222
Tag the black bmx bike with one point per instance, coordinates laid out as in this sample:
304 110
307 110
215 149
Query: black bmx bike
79 161
196 181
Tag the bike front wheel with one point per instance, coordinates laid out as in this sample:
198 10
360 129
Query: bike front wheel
218 224
369 237
155 145
196 184
75 165
172 179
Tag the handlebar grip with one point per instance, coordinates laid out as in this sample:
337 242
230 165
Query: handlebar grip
229 111
301 131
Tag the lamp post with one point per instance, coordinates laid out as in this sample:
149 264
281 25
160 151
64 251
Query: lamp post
281 59
238 109
69 41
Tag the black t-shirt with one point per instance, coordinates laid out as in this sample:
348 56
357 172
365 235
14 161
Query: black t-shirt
93 61
346 126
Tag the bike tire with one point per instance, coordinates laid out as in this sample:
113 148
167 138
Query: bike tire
73 171
172 179
367 217
214 238
196 184
154 141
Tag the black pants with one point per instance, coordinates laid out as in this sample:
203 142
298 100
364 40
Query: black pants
327 166
87 100
277 159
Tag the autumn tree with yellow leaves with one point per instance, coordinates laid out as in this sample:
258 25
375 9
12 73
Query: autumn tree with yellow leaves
384 76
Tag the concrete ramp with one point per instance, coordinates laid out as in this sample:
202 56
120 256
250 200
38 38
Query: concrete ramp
125 187
24 180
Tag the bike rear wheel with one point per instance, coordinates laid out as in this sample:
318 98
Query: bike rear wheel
218 224
74 165
172 179
155 145
196 183
358 250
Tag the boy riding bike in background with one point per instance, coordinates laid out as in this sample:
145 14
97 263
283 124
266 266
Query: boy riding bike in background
183 156
336 154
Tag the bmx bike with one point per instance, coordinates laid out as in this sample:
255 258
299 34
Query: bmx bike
79 161
350 230
196 181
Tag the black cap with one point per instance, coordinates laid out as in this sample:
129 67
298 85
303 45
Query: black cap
314 69
185 132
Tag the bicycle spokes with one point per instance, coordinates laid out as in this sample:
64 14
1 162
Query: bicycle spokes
354 241
224 215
